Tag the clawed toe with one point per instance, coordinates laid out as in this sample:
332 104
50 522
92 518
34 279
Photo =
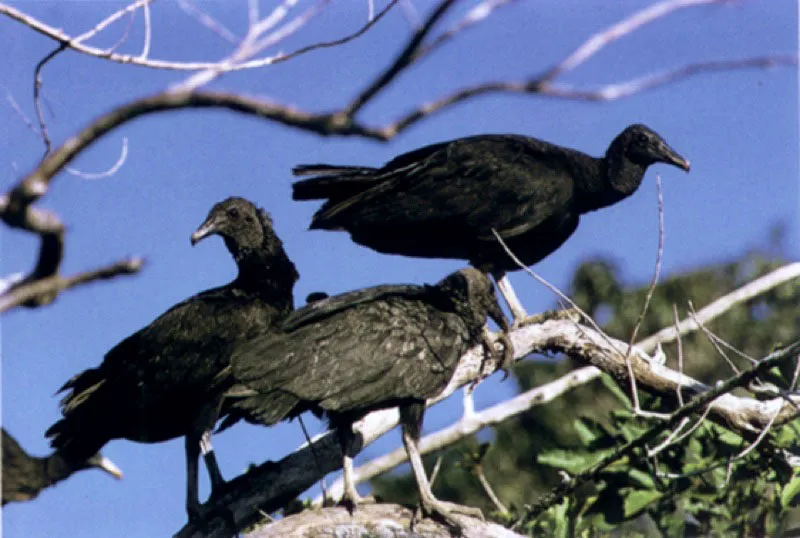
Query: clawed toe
447 511
563 314
352 501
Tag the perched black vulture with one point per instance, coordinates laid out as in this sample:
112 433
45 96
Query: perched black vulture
159 383
371 349
445 200
25 476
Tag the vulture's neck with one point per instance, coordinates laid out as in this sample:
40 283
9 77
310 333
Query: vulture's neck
607 181
267 272
55 469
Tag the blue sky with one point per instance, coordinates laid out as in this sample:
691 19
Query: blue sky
739 129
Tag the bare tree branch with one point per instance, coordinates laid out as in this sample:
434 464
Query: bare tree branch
76 43
700 401
43 291
752 289
609 92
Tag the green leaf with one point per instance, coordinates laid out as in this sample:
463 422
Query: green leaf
639 499
790 491
586 429
614 388
571 461
643 479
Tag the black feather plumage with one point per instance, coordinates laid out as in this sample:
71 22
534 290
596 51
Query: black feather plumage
444 200
162 382
365 350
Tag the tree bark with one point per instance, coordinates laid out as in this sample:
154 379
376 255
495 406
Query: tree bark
378 520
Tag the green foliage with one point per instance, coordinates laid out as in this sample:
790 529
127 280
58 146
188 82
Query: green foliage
697 486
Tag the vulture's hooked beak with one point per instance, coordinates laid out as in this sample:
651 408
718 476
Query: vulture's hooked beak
209 227
670 156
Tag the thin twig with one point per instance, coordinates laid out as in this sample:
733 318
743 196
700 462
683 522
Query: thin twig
411 14
713 341
475 15
679 390
37 86
335 43
657 271
208 21
108 173
290 28
147 32
252 14
648 297
560 294
322 486
620 29
402 60
25 119
653 452
716 340
44 291
487 487
102 25
124 36
435 473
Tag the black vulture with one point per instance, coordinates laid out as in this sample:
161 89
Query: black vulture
365 350
160 382
25 476
446 200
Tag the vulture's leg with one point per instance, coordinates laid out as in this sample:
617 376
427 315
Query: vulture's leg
214 474
517 310
193 508
350 498
411 419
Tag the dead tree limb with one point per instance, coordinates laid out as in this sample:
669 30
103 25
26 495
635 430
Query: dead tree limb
39 292
372 520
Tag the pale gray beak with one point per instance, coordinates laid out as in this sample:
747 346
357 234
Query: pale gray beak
670 156
101 462
209 227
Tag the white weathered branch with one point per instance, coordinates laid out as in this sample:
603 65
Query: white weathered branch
720 306
372 520
596 42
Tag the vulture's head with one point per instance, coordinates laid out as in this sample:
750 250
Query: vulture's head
473 294
238 221
643 146
98 461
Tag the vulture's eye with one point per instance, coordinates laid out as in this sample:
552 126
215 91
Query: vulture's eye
233 213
